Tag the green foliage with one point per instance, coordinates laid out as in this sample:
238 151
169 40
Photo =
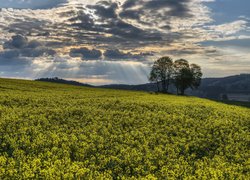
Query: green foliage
186 75
182 74
53 131
161 72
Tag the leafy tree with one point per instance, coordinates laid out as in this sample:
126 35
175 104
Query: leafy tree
186 76
162 71
154 78
197 75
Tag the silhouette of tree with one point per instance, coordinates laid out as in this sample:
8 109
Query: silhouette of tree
224 97
154 78
186 76
162 71
197 76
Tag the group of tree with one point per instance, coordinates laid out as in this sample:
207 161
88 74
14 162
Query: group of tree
180 73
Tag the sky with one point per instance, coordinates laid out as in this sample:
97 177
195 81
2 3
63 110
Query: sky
116 41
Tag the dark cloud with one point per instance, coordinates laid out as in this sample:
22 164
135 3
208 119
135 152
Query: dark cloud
105 9
129 4
17 41
160 8
31 4
9 54
29 26
20 46
20 42
12 57
177 8
86 54
106 24
37 52
109 22
34 44
130 14
85 19
116 54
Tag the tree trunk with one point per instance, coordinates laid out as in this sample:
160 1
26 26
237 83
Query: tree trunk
168 82
158 88
164 86
182 91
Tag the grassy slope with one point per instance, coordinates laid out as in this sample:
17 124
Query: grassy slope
54 131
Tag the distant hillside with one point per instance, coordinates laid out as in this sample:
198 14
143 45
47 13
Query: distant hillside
214 87
62 81
237 86
211 88
140 87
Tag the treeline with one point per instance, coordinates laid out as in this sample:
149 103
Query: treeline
62 81
180 73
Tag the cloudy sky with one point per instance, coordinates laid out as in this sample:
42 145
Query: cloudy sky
116 41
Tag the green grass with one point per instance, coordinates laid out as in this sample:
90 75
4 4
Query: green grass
54 131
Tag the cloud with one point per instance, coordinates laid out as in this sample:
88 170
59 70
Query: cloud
108 23
86 54
110 54
17 41
115 54
37 52
105 22
229 28
157 12
9 54
31 4
20 46
236 43
105 9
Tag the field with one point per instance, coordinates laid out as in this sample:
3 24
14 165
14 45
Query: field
54 131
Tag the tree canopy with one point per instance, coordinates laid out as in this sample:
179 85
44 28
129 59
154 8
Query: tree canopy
180 73
161 72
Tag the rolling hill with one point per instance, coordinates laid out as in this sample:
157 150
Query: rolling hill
211 88
57 131
236 88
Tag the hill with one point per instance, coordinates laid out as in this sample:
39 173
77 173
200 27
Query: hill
235 88
56 131
62 81
212 88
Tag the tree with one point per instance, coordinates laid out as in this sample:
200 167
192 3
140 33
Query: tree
161 72
154 78
197 75
186 76
224 97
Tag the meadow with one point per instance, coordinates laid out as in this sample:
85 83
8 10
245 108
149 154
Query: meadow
55 131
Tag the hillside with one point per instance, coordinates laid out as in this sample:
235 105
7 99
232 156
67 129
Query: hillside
62 81
237 86
211 88
56 131
214 87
